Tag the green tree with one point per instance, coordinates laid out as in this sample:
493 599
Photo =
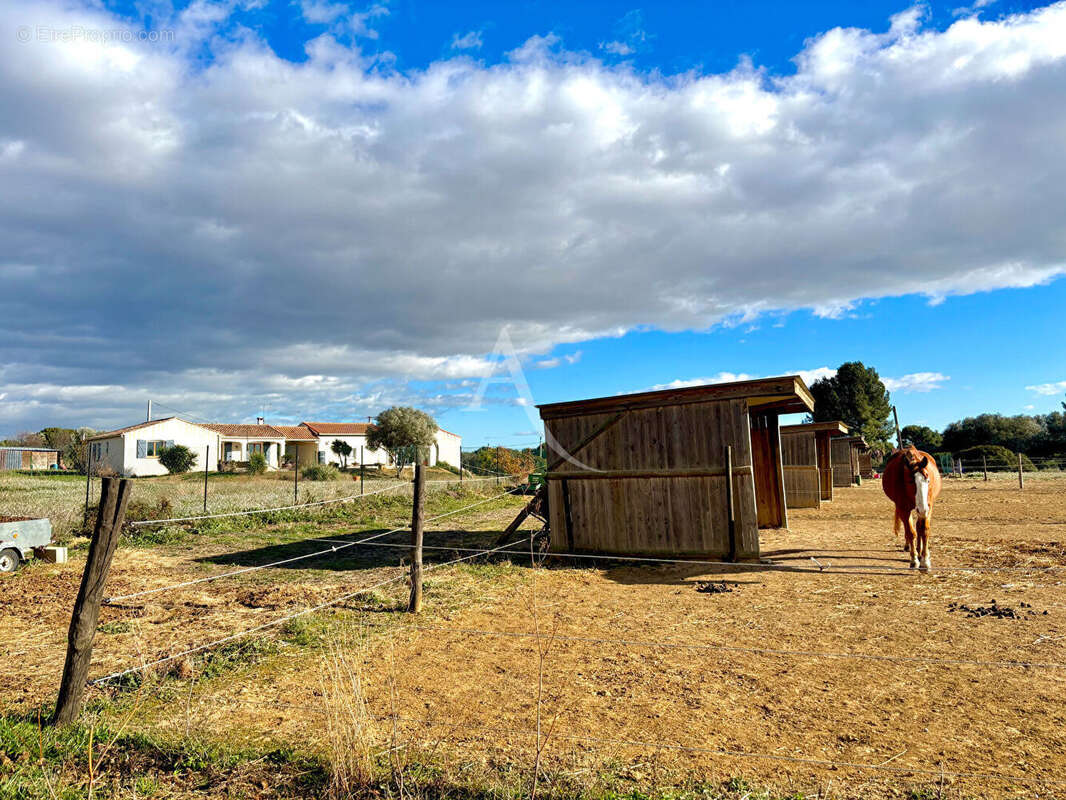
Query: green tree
404 433
857 397
922 437
343 450
177 459
1017 434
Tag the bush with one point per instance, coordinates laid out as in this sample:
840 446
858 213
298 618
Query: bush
257 464
177 459
446 466
320 472
996 455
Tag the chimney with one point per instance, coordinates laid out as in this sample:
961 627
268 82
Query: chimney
258 420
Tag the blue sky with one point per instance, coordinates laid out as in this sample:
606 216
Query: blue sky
316 209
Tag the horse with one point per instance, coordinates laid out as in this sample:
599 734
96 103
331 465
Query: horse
912 481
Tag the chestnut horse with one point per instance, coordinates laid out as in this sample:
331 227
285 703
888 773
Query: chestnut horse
912 481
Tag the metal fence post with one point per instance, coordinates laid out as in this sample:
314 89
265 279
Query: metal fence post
1021 481
88 480
362 470
207 458
296 477
984 465
497 465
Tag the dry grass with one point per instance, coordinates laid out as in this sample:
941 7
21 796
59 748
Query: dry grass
622 665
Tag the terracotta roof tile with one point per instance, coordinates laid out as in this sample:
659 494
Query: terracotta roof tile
295 433
245 431
337 428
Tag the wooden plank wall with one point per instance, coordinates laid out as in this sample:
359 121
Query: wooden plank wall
866 465
769 474
843 473
825 468
655 515
799 456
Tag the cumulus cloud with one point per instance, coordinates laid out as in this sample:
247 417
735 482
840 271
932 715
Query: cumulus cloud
198 214
916 382
1048 389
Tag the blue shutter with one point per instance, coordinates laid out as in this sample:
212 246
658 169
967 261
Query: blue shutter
142 448
169 443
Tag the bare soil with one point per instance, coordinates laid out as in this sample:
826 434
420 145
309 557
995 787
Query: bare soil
644 673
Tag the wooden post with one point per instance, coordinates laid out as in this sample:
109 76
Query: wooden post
1021 481
114 496
88 481
207 457
729 503
417 514
984 466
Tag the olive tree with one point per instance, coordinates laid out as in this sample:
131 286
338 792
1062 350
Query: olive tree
404 433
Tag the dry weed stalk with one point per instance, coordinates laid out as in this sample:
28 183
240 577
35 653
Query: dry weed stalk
349 724
542 652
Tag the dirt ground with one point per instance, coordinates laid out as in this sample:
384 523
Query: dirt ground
647 677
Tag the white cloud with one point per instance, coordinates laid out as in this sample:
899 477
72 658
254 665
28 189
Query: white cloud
208 205
617 48
1048 389
916 382
321 11
468 41
809 376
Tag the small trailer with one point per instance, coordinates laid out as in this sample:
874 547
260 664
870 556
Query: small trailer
19 538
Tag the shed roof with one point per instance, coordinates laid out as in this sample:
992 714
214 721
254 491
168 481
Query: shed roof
857 441
835 428
30 449
787 394
245 431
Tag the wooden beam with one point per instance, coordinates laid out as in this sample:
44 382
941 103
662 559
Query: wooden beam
616 474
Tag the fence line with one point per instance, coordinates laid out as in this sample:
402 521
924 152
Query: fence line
208 578
293 506
287 618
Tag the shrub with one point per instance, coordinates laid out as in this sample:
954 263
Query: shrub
177 459
257 464
449 467
320 472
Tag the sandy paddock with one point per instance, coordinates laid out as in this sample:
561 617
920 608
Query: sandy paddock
646 677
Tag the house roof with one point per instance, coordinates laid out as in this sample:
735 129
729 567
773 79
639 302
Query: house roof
120 431
785 395
336 428
245 431
295 433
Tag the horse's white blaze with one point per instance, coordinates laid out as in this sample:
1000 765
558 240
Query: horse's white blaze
921 495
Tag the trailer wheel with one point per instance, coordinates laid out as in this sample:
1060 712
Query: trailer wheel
9 560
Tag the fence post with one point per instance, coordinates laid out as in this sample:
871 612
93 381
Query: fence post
729 503
296 476
88 481
362 470
207 457
984 465
497 465
1021 482
114 496
460 465
417 513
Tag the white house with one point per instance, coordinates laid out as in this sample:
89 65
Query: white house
134 451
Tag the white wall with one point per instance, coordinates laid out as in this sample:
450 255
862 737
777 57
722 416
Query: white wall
449 449
325 443
192 436
273 450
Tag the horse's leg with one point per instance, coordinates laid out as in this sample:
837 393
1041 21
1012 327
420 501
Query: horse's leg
923 541
908 537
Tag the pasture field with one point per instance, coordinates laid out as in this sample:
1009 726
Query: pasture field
61 496
847 677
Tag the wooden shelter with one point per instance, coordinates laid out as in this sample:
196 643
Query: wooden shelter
805 453
845 460
647 473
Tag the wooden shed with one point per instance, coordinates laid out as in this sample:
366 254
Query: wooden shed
13 458
646 473
805 453
845 460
